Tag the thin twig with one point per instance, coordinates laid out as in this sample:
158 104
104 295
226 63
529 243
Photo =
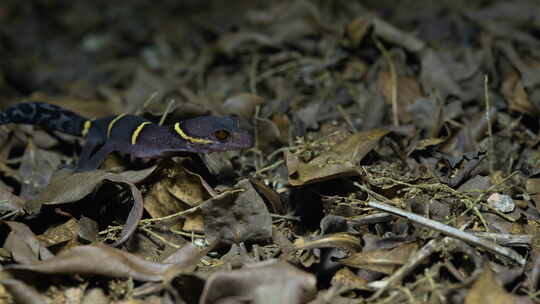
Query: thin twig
347 118
159 237
453 232
190 234
270 167
167 111
285 217
253 73
172 216
147 102
152 220
413 261
505 239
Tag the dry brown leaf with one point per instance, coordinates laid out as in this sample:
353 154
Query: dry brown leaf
267 134
21 292
36 170
267 282
518 99
87 229
182 263
357 30
185 259
217 163
10 201
67 187
178 190
340 160
60 234
345 277
282 122
408 91
23 245
436 75
293 21
99 260
486 290
385 261
533 189
271 196
234 217
243 104
466 139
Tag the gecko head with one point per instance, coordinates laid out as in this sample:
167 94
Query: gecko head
212 133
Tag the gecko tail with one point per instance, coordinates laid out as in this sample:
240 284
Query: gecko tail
48 116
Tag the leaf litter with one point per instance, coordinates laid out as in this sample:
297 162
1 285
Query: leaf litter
395 159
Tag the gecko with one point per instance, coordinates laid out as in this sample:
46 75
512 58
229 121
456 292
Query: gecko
131 134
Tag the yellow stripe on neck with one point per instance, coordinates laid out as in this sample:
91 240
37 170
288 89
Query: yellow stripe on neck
137 132
189 138
111 124
86 128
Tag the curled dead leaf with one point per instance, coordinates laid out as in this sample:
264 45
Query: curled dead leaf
234 217
176 191
103 260
67 187
340 160
334 240
518 99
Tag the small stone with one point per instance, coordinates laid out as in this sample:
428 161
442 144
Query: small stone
501 202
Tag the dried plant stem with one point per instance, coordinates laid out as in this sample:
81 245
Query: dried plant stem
147 102
347 118
451 231
253 73
159 237
269 167
413 261
167 111
171 216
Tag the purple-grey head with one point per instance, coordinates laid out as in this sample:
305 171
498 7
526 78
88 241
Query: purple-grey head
212 133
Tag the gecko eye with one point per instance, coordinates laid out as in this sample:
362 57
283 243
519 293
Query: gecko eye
222 135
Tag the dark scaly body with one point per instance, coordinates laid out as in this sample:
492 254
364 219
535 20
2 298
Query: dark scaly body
131 134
